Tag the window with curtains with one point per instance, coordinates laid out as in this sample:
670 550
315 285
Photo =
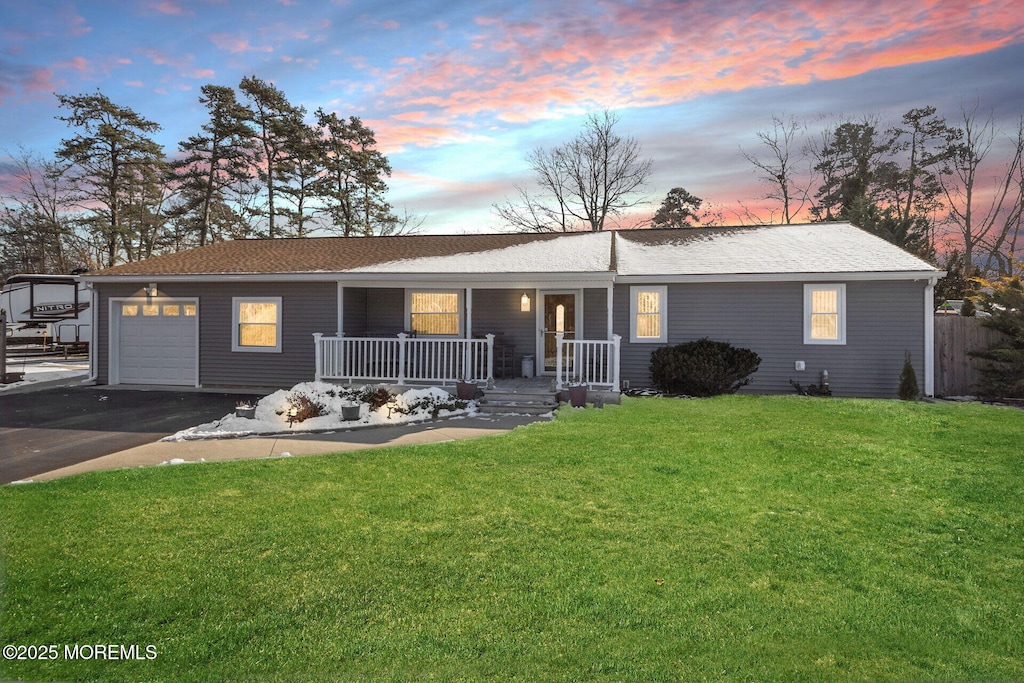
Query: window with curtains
647 314
256 324
825 314
435 313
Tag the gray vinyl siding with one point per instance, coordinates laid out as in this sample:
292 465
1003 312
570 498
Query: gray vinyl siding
497 311
374 312
305 308
884 319
595 314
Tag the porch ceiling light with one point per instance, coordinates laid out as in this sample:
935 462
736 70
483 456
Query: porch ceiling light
524 303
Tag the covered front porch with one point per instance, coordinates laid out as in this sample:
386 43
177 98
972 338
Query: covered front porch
427 332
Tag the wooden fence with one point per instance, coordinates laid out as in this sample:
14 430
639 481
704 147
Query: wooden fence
956 373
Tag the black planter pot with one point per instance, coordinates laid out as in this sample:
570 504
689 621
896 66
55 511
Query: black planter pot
466 391
578 396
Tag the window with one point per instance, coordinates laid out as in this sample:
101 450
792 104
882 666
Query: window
435 313
825 314
647 314
129 310
171 309
256 324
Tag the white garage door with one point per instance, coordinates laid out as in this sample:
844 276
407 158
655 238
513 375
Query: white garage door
157 342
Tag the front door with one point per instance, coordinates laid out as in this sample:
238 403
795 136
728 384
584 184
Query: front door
558 311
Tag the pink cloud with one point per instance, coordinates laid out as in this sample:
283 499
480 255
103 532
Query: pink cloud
236 44
169 7
80 64
134 84
389 25
651 53
76 25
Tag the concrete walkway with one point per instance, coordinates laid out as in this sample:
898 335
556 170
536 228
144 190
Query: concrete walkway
297 444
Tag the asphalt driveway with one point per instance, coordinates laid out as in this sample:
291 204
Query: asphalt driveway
45 430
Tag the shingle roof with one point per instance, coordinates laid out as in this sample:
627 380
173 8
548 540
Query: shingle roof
322 254
808 248
765 249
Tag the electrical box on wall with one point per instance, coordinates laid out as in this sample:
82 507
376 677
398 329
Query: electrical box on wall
800 365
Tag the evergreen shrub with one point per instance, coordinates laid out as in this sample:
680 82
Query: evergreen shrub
702 368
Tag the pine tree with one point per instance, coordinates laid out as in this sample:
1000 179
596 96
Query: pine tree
216 162
1002 376
908 380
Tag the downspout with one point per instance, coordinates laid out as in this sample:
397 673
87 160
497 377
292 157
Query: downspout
93 335
929 337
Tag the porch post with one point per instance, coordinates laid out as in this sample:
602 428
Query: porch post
469 313
616 343
558 360
401 357
341 309
611 309
490 360
318 373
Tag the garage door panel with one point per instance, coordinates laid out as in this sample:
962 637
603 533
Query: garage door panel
158 349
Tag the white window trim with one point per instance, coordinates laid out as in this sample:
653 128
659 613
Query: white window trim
434 290
840 289
236 302
634 293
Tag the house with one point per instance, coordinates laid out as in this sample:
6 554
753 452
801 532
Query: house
587 306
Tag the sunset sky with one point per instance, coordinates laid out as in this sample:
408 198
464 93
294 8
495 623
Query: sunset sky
459 92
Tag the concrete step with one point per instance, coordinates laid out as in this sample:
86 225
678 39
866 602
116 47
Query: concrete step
518 402
498 395
516 408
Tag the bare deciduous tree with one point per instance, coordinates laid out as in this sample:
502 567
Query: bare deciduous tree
990 225
583 183
784 166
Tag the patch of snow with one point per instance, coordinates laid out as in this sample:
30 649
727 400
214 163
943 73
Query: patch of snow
182 461
813 248
568 254
271 415
43 372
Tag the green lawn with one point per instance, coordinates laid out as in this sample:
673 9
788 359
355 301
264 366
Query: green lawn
738 538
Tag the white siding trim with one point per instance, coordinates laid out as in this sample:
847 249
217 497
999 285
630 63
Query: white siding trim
929 337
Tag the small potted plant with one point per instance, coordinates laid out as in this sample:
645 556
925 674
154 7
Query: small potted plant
245 409
578 394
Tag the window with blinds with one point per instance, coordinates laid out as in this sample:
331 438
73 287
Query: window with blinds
825 314
434 313
257 324
647 307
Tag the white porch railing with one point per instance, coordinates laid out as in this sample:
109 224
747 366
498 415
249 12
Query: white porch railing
587 361
402 359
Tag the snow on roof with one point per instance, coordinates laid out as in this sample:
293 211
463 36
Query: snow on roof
807 248
573 253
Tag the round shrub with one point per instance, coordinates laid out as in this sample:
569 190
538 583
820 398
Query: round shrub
702 368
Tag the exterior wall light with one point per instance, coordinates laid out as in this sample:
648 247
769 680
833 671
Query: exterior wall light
524 303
